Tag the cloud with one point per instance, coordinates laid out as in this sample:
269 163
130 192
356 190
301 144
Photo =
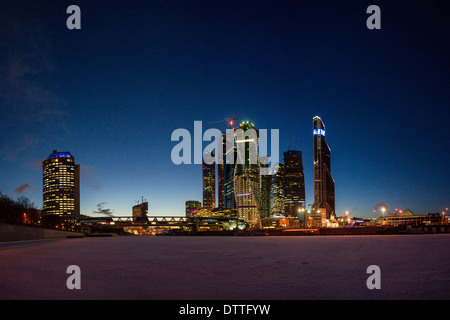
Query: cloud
101 210
93 185
22 188
87 174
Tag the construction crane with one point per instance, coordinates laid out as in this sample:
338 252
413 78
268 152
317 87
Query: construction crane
229 120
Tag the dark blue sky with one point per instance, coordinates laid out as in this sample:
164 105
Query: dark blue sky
113 92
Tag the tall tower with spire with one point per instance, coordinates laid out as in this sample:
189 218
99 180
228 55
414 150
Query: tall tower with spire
323 181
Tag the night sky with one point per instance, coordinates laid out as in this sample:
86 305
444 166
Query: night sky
113 92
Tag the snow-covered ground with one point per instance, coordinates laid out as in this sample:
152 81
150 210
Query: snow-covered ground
237 268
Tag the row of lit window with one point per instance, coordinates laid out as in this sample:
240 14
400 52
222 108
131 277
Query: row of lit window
57 174
63 160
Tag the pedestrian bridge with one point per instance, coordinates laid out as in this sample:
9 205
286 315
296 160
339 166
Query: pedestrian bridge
174 222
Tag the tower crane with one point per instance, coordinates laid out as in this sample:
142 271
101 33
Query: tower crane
229 120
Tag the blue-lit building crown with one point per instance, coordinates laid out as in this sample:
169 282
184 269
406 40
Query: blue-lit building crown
57 154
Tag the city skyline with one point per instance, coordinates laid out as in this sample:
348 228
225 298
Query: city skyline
112 95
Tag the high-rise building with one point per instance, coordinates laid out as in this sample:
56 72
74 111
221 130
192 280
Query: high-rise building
220 174
140 210
247 179
220 194
323 181
293 183
266 184
229 160
209 183
61 185
277 192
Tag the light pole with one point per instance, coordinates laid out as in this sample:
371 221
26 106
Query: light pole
300 210
383 209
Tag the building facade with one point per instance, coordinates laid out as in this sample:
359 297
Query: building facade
323 181
229 160
277 192
140 211
266 184
191 206
293 183
61 185
209 183
247 179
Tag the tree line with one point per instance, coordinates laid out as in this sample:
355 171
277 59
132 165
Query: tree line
19 211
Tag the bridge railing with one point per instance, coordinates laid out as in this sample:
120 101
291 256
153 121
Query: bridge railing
151 220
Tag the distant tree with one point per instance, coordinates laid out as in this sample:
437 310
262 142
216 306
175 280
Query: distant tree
21 210
25 202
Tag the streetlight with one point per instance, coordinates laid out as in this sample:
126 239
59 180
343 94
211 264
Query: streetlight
302 210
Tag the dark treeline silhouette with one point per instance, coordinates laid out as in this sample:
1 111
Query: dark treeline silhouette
21 210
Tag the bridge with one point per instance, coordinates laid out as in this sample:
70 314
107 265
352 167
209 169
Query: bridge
145 224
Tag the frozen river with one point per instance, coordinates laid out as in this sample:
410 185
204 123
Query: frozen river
237 268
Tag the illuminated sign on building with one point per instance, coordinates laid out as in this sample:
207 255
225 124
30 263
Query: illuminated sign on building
319 131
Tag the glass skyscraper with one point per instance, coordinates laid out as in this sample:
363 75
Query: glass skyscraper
209 184
228 171
277 192
266 184
293 183
61 185
247 179
323 181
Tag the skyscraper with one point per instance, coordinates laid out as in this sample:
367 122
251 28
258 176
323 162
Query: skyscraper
247 179
277 192
323 181
220 174
293 183
61 185
230 153
266 184
209 183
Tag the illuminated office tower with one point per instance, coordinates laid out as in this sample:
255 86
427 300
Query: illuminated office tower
61 185
293 183
323 181
229 201
220 175
220 198
247 179
277 192
209 183
266 183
